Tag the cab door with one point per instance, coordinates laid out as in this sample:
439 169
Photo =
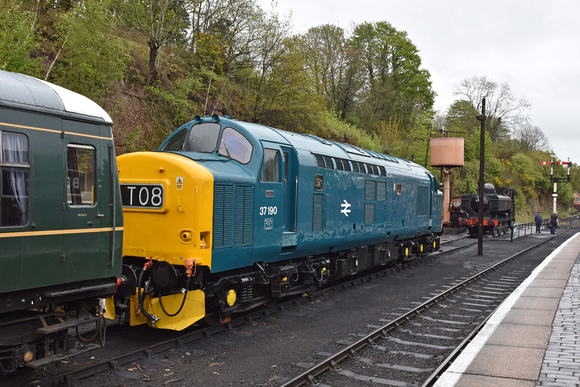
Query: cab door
290 167
270 200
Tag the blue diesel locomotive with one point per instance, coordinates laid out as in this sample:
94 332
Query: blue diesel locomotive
227 215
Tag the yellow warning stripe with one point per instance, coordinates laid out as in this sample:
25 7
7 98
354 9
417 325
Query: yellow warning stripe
55 131
59 232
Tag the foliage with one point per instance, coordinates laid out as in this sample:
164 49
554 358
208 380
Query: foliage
288 100
159 22
335 67
18 39
395 87
504 111
153 64
342 132
92 59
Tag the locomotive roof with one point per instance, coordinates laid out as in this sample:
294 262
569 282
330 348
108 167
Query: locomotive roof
23 91
316 144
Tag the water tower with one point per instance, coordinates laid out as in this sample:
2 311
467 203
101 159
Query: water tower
447 152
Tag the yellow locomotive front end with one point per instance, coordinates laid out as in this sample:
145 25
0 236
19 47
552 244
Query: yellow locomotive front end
167 207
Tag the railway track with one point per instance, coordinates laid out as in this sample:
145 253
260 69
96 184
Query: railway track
414 348
118 363
68 376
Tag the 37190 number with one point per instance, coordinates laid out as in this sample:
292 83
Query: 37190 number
272 210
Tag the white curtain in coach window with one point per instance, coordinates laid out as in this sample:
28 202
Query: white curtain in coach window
15 156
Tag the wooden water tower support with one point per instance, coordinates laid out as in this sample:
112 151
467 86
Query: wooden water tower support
447 152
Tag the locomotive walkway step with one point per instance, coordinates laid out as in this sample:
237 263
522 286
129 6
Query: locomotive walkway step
532 337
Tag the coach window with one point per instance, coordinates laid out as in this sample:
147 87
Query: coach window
80 182
15 173
235 146
271 168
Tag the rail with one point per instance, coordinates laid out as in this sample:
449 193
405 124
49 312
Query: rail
331 362
445 364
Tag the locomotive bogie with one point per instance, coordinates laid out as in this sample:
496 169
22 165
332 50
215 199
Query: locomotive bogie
280 214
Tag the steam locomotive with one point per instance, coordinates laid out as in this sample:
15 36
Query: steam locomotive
498 210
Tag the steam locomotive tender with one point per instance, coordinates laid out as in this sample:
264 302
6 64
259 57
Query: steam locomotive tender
227 215
60 217
498 210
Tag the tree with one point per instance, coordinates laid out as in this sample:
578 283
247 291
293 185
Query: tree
335 67
289 100
92 58
396 88
531 138
460 117
503 110
17 40
461 122
159 22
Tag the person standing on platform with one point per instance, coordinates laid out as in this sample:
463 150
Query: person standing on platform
554 222
538 222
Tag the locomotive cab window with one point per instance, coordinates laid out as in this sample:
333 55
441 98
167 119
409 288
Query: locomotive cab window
203 137
235 146
80 182
175 143
15 178
271 167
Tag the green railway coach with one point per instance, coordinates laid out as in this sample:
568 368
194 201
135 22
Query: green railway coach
61 220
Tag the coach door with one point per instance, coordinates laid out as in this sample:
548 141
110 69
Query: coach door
82 200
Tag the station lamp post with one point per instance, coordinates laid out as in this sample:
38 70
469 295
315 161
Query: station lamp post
481 118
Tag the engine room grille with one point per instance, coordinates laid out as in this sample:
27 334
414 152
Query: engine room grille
244 211
370 209
318 213
423 198
233 220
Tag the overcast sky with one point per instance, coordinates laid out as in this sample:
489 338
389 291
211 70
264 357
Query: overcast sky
532 45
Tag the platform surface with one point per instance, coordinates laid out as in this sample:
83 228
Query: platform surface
533 338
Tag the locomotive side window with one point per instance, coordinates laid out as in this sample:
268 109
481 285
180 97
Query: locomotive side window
399 189
15 173
80 182
203 137
175 143
271 168
235 146
318 183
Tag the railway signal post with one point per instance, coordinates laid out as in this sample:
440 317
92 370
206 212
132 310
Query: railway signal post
556 180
